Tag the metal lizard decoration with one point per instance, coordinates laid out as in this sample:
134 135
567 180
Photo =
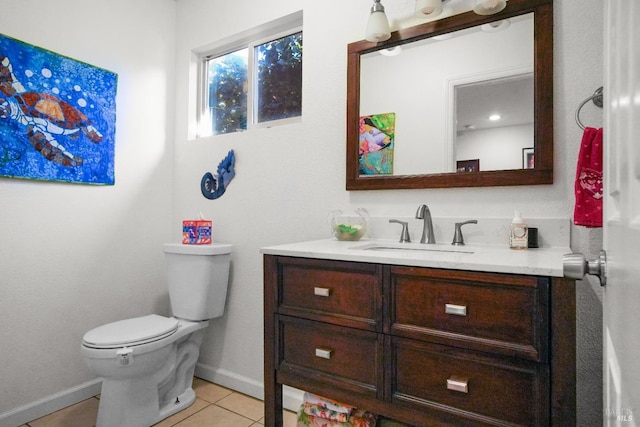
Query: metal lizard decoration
214 187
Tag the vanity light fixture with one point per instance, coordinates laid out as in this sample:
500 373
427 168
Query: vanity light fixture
426 9
488 7
378 25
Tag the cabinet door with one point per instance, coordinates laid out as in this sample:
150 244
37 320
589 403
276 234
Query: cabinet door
498 313
478 388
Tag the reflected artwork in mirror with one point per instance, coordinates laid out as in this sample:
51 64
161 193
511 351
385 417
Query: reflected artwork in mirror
464 88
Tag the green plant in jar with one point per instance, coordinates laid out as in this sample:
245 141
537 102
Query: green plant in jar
351 226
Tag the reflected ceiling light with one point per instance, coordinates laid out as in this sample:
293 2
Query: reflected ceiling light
489 7
378 25
495 117
392 51
428 8
494 27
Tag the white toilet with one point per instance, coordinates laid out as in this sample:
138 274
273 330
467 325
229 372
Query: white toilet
147 362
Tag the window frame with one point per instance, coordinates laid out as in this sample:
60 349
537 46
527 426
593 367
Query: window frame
203 120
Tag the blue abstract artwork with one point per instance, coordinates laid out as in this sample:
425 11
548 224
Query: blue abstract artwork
57 116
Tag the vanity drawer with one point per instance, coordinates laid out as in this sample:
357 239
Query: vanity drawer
346 358
345 293
499 313
476 386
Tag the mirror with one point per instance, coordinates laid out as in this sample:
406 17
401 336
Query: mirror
420 118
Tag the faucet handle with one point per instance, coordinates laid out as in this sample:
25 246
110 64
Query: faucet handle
458 238
404 235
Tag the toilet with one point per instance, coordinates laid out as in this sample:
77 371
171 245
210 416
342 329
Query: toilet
147 363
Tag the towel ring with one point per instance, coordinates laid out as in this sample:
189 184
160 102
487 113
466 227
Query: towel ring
597 100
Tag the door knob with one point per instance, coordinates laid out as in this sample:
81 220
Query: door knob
575 266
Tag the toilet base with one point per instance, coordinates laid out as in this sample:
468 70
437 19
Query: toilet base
149 398
183 401
136 405
133 403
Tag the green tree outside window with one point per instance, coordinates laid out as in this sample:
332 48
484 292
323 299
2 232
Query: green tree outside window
278 76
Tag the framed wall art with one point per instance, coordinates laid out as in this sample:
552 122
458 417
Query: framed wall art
376 142
57 116
528 159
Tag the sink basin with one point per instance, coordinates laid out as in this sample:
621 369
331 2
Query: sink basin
417 247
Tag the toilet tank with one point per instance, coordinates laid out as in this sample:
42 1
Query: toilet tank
198 277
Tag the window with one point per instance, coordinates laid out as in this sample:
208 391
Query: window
279 78
257 84
227 92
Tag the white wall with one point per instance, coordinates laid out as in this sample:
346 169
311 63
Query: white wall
72 256
497 148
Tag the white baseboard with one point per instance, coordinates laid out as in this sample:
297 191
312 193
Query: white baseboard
23 414
291 399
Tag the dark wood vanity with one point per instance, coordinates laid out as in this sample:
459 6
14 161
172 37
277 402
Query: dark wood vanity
425 346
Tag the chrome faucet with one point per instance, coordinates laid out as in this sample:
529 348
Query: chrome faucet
425 214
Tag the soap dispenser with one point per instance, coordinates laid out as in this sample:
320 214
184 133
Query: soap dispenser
518 233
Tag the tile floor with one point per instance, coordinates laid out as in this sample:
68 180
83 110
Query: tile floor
215 406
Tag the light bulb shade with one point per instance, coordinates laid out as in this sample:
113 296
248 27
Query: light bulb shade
489 7
428 8
378 27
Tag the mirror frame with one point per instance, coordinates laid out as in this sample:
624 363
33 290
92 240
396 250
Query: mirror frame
543 100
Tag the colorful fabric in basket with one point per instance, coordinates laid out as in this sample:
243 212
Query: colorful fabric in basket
359 418
316 410
327 403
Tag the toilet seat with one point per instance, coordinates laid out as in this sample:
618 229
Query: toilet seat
131 332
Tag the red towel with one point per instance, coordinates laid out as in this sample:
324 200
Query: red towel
588 185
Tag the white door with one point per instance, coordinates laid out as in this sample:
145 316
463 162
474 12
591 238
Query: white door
622 213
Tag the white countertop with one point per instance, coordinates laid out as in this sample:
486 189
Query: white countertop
490 258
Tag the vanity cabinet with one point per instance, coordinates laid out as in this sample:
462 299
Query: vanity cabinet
426 346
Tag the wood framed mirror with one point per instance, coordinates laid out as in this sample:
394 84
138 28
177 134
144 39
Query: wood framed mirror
418 116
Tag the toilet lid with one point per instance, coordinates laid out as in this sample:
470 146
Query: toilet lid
131 332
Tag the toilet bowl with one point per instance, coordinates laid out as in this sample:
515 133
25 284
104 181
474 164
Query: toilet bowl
147 363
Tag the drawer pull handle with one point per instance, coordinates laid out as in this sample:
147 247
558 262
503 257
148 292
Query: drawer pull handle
456 383
458 310
323 353
322 292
